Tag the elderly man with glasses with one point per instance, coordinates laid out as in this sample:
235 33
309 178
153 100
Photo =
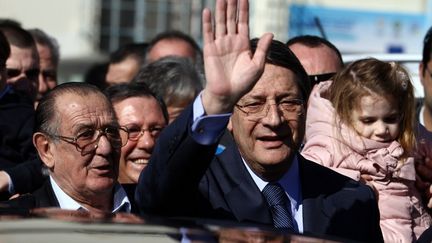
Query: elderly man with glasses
79 140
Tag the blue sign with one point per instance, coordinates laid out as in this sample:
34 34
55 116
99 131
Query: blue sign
360 30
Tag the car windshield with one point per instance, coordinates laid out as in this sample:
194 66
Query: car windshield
54 225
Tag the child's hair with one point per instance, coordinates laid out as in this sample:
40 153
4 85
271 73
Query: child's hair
368 76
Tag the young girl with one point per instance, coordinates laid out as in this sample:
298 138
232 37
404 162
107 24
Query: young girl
362 125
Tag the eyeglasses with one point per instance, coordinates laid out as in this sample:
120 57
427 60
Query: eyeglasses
256 110
136 133
31 73
87 141
315 79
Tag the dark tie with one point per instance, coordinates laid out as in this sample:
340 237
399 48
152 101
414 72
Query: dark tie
278 202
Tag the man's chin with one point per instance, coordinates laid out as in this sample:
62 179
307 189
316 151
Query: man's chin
105 182
275 156
275 167
274 161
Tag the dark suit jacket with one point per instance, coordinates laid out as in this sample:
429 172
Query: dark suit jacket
27 176
426 236
185 179
41 198
16 130
45 197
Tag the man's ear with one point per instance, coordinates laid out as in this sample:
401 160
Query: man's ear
421 71
229 127
44 147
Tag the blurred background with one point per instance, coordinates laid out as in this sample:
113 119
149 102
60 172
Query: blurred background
88 30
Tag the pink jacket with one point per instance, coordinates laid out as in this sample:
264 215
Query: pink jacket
403 217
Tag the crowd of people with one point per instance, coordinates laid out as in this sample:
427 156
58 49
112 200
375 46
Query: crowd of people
255 131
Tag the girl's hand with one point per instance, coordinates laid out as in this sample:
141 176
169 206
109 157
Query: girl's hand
365 178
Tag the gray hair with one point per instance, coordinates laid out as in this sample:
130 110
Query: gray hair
175 79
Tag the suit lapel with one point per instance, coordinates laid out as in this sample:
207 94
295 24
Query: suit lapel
241 193
315 205
247 203
45 196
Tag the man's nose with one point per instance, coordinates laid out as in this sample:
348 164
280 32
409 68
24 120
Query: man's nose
103 145
43 88
273 116
146 141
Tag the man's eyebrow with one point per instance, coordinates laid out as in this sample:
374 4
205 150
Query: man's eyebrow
288 94
254 98
278 96
131 124
82 126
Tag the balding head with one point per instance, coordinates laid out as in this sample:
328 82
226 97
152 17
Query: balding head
317 60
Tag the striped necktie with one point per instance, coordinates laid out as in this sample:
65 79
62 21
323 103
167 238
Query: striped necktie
278 202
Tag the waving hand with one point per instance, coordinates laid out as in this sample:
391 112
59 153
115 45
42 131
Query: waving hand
230 67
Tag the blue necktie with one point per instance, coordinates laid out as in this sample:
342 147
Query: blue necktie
278 202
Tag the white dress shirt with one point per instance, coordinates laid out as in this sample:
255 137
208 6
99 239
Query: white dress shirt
121 202
292 186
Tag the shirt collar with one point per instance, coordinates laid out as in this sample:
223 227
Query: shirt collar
421 118
121 201
290 181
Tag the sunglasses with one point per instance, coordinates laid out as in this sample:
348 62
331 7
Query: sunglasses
315 79
31 73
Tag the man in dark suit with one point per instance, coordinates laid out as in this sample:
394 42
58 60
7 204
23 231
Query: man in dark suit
265 88
16 121
424 118
78 139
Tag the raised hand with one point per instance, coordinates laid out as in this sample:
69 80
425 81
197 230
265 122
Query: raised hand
230 67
